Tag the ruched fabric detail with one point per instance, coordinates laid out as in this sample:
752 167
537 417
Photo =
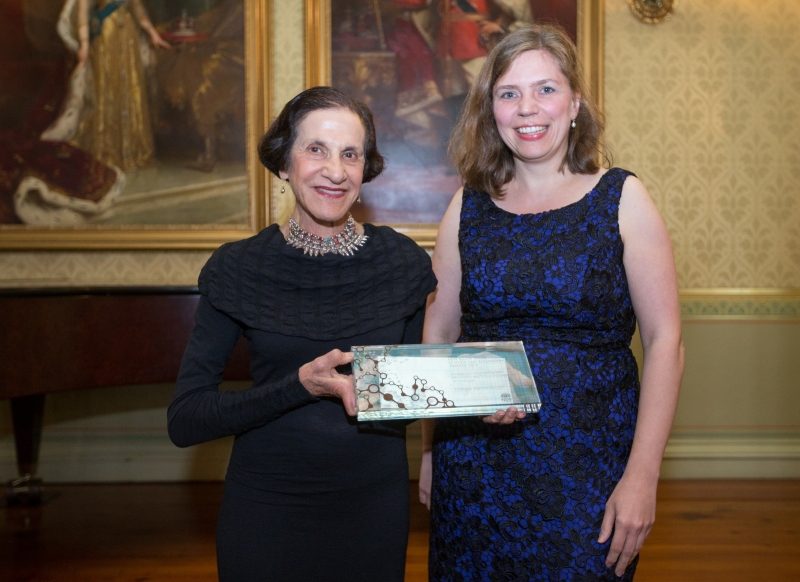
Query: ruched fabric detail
270 286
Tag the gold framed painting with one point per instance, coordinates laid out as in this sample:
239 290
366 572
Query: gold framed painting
412 62
131 125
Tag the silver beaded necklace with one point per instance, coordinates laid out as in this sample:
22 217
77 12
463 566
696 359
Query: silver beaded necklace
345 243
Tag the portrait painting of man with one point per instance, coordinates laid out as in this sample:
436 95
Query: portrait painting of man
412 62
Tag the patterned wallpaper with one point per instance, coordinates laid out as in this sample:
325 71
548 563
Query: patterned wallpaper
704 107
100 268
288 79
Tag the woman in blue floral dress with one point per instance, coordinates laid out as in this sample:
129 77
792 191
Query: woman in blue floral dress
545 245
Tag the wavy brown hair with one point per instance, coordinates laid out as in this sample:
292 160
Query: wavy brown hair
481 157
275 145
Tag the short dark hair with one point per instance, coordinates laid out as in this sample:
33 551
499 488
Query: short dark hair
276 144
476 148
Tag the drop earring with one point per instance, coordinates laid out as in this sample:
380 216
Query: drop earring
283 189
573 125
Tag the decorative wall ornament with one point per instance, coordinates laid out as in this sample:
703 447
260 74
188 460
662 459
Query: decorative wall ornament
651 11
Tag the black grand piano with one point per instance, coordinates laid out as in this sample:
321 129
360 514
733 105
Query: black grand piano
55 339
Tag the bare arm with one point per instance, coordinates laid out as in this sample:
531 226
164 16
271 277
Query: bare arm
650 269
83 30
140 13
442 317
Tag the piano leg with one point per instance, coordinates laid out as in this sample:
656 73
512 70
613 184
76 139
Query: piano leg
27 413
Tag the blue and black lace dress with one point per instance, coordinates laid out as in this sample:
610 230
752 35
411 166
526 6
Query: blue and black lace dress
526 501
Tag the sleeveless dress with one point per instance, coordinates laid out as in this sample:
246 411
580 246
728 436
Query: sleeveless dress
526 501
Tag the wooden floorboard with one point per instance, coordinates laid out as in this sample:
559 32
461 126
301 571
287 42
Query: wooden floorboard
716 531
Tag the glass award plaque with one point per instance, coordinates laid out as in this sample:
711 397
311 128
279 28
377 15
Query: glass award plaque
433 380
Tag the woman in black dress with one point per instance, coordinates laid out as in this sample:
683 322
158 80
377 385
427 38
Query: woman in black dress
309 493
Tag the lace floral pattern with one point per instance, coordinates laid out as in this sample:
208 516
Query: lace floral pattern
525 502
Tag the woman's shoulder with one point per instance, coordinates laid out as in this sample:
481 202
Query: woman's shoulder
608 184
231 258
615 174
395 254
387 236
261 239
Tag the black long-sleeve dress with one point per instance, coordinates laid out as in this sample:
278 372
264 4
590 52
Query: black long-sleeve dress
310 494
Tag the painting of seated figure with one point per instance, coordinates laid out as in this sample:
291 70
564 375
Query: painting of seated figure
126 115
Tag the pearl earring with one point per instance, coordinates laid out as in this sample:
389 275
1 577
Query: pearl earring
573 125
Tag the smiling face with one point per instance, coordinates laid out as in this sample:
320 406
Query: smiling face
326 167
533 107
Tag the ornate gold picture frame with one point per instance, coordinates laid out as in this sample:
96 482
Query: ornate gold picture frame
207 106
388 54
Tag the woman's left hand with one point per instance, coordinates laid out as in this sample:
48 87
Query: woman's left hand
507 416
629 515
